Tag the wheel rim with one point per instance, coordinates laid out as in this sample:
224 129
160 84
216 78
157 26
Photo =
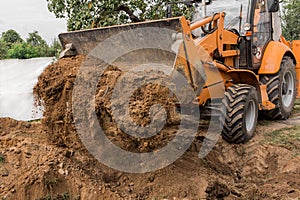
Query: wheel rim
287 89
250 116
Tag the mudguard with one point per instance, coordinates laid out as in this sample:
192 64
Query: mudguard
246 77
273 56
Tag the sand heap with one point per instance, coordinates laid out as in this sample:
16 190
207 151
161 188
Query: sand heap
54 92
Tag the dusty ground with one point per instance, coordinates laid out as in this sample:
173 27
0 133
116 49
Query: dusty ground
46 160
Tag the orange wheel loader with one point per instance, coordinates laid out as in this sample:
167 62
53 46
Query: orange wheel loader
249 67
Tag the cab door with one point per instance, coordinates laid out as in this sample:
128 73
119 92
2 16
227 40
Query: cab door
261 31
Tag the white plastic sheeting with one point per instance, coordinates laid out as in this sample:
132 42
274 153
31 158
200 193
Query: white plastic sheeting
17 80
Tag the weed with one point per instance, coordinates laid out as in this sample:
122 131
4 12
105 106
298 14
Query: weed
50 183
35 121
47 197
2 159
63 196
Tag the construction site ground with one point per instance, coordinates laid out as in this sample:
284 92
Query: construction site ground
45 159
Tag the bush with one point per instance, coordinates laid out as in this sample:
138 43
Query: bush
23 51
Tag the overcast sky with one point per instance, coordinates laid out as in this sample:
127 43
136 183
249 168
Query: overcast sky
25 16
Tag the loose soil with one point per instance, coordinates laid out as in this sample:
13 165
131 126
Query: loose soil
46 159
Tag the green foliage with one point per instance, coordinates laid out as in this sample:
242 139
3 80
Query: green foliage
55 48
23 51
11 37
13 46
3 49
35 39
291 21
83 14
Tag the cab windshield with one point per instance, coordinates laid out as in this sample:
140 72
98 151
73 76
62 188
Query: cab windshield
233 10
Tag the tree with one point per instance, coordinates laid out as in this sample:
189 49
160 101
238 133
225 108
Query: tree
39 43
11 37
82 14
291 22
3 49
55 48
13 46
35 39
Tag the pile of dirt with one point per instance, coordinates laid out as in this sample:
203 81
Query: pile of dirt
46 160
54 92
33 168
8 124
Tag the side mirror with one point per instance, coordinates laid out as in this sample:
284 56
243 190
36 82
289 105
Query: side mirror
273 5
207 2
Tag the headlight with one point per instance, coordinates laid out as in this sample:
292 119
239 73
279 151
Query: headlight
247 26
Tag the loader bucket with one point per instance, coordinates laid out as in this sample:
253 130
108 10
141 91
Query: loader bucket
84 41
152 44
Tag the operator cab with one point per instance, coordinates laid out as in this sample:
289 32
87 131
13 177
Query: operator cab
262 18
257 22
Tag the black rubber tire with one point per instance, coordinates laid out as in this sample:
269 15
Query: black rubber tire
238 100
275 90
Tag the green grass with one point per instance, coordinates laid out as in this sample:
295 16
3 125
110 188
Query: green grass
297 106
288 138
263 122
